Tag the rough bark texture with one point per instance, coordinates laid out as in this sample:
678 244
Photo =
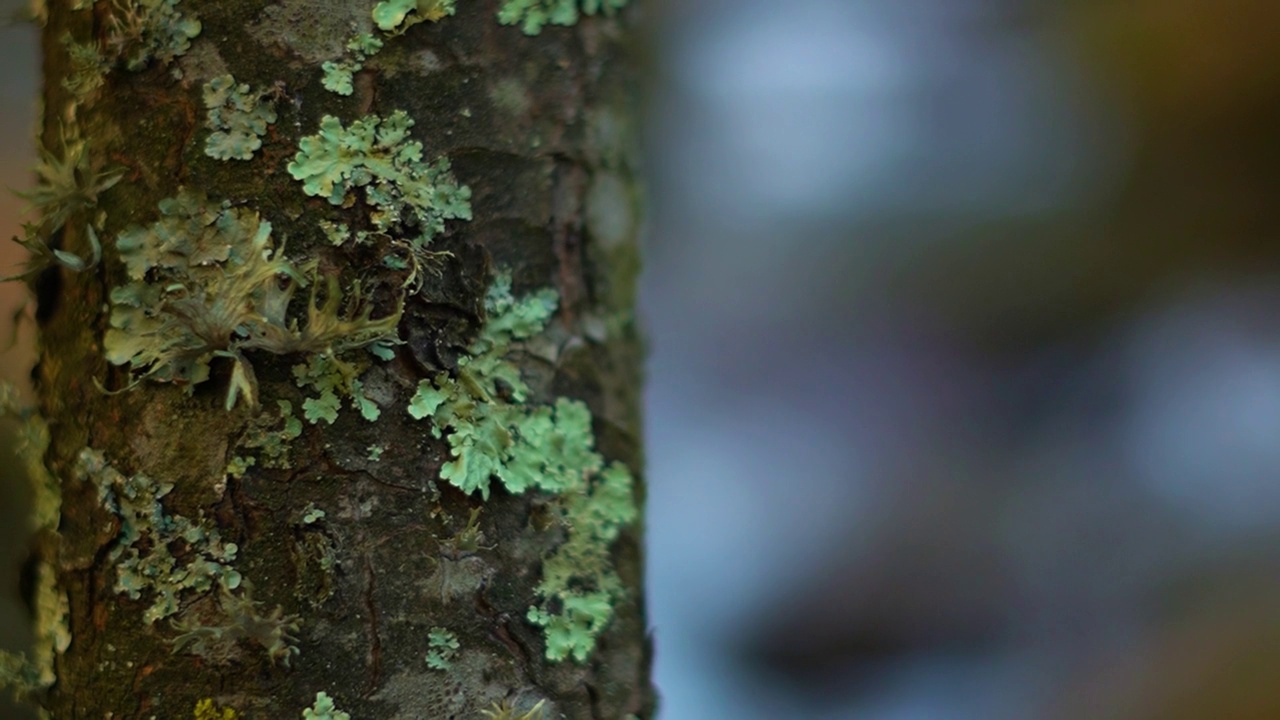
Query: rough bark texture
539 127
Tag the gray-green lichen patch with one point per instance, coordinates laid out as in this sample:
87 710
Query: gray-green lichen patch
338 74
332 379
238 117
442 645
139 31
324 709
533 15
314 30
494 432
396 16
144 551
374 154
205 281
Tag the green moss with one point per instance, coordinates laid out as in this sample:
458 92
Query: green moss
533 15
493 432
238 117
396 16
206 710
206 282
88 68
144 551
324 709
442 646
508 711
405 194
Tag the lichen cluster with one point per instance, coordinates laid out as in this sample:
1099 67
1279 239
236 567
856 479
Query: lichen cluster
339 74
533 15
396 16
494 432
405 194
442 645
324 709
207 282
238 117
143 554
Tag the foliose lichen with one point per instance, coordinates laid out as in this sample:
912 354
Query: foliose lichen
396 16
338 74
533 15
324 709
139 31
144 551
494 432
332 378
442 645
405 193
205 281
238 117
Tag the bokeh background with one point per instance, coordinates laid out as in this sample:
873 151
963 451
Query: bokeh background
964 385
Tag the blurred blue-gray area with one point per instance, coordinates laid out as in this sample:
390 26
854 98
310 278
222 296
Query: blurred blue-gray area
964 390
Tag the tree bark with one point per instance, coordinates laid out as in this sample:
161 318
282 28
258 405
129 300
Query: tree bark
319 416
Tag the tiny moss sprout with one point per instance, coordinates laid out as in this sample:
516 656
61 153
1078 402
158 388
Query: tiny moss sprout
508 711
206 709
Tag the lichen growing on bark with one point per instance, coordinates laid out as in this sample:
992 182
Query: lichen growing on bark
494 433
238 117
533 15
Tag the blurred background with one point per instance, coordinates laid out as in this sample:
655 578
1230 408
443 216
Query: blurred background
964 386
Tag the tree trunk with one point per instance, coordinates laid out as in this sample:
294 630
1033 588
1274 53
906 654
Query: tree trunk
346 418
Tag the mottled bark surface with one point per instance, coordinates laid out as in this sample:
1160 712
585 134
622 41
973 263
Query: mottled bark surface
540 129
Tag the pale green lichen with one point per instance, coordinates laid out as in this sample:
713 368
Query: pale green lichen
442 646
375 154
238 117
144 551
494 433
324 709
207 282
533 15
339 74
272 442
139 31
331 377
396 16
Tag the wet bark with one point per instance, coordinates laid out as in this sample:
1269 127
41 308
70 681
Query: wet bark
540 128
